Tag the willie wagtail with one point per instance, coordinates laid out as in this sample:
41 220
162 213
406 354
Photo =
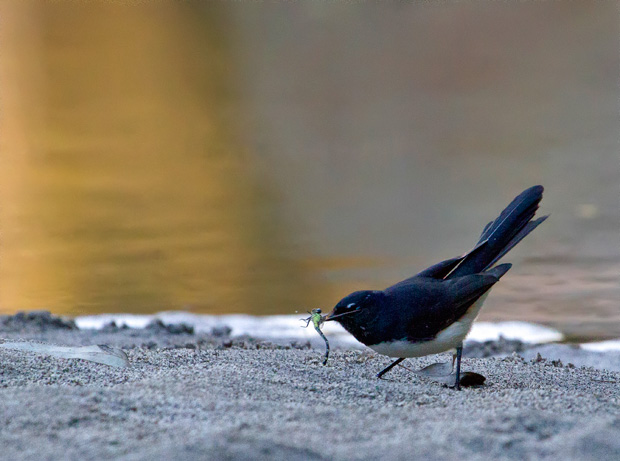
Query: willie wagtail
433 311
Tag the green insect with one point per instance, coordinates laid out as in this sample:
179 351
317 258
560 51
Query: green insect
317 320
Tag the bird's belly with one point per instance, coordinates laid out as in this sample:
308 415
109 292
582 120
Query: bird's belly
404 348
446 339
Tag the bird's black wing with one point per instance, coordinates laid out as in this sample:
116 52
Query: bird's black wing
422 308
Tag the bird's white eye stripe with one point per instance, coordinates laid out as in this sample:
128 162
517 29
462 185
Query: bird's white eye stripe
352 304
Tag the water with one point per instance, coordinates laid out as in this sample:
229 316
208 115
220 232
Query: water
238 158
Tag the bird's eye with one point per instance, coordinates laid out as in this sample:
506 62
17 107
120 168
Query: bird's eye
350 305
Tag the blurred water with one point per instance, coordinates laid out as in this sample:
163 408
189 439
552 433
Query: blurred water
236 158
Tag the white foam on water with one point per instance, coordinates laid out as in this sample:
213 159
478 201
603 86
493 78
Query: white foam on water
602 346
290 326
523 331
96 322
266 327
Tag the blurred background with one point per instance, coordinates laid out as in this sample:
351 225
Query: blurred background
237 157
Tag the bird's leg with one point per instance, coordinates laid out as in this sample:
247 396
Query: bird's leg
389 367
459 353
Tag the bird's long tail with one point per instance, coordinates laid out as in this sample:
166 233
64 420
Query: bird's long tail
502 234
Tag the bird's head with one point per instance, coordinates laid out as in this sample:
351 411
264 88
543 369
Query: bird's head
350 306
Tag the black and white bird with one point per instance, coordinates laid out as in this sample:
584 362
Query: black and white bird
433 311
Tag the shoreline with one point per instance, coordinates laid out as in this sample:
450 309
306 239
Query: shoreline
203 396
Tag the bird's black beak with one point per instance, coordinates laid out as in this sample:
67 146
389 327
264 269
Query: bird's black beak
328 317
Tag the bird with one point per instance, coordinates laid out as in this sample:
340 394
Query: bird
433 311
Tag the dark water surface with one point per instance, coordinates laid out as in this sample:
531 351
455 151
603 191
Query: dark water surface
265 159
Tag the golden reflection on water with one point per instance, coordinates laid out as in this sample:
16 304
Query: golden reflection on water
236 157
133 190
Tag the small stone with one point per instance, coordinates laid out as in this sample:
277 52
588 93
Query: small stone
221 330
158 326
37 320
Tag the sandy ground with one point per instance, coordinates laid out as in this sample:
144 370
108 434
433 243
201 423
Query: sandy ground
188 396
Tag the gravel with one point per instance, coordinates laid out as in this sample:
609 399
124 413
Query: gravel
190 396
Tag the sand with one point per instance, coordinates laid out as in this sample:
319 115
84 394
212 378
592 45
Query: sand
188 396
